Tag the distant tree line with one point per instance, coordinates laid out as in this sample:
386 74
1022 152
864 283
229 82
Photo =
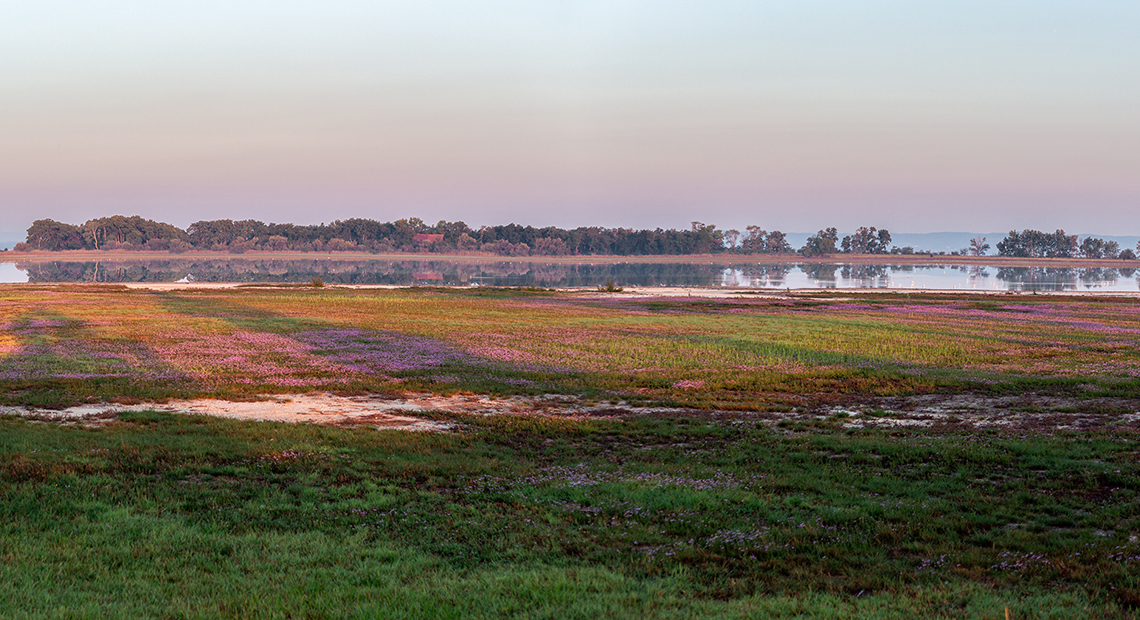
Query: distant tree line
406 235
1036 244
864 241
414 235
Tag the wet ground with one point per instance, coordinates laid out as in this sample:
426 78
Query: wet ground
419 412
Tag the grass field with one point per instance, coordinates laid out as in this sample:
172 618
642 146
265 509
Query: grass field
707 510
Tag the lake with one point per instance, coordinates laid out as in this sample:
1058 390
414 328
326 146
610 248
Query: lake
491 272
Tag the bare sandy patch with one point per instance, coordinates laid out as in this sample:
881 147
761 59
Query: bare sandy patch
297 408
397 413
1030 413
1025 413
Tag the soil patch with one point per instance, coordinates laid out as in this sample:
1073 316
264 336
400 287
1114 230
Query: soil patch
1025 413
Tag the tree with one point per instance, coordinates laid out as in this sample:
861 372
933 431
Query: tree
1061 245
822 242
706 238
179 247
133 230
730 236
978 246
241 246
467 243
548 246
1092 247
207 234
867 241
339 245
777 243
1036 244
276 243
755 239
52 236
758 240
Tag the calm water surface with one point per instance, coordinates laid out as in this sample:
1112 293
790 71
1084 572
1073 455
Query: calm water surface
527 273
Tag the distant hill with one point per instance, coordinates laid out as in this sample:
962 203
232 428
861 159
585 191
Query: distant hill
9 239
945 241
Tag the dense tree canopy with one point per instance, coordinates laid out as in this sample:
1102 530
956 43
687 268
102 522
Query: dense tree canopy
823 242
1091 247
120 232
53 235
867 241
405 235
1036 244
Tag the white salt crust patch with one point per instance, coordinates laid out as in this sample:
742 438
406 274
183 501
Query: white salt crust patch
1026 412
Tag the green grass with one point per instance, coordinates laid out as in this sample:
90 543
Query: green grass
174 516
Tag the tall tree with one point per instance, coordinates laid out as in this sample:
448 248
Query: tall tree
823 242
730 237
1031 243
978 246
867 241
1093 247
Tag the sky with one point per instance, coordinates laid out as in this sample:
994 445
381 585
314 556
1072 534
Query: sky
786 114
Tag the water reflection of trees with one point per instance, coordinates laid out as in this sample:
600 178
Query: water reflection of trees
1097 277
1037 278
1053 278
544 274
822 274
774 275
866 276
1058 278
400 273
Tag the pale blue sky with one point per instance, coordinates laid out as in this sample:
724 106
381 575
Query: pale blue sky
917 116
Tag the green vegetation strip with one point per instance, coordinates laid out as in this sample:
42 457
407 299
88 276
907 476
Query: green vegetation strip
177 516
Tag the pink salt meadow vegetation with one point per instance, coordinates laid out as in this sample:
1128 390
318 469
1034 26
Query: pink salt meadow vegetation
738 352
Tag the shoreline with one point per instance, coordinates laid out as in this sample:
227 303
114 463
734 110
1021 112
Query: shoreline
706 292
724 258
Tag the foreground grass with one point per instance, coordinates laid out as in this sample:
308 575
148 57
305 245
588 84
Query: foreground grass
172 516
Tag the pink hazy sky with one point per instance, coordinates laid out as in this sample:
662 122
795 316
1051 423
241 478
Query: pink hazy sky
788 115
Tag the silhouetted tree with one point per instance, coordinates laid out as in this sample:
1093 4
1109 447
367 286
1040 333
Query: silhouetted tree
1036 244
867 241
1092 247
978 246
731 236
823 242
